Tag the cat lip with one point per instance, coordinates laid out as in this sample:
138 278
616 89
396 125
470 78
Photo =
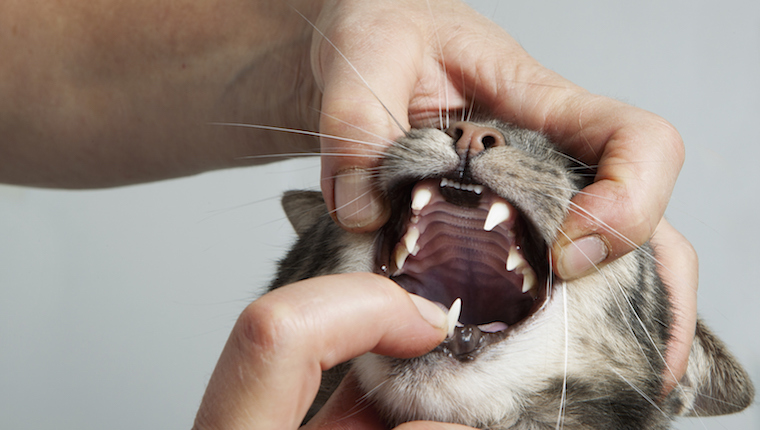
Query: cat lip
448 240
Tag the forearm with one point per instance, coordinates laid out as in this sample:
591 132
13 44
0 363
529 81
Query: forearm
110 92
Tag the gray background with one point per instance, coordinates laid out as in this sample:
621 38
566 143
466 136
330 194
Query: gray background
114 304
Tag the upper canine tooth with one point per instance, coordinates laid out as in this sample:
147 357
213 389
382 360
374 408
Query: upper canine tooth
478 189
421 198
515 259
498 213
444 182
410 240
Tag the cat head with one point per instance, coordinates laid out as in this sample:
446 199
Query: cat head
474 211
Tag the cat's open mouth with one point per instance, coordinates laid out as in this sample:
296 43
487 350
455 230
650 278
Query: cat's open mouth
449 240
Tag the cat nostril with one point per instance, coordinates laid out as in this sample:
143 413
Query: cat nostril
489 141
456 132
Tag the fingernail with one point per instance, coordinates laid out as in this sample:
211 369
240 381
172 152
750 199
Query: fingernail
355 202
580 255
431 312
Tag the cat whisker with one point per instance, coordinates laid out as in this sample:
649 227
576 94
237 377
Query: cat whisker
563 398
350 202
640 391
386 140
351 65
303 154
297 131
362 403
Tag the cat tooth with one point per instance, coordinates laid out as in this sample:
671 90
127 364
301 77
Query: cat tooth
444 182
421 198
478 189
400 255
498 213
410 240
515 259
529 279
453 316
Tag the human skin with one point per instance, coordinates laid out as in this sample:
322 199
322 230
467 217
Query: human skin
106 93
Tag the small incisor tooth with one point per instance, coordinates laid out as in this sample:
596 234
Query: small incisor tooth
498 213
453 316
410 240
515 259
421 198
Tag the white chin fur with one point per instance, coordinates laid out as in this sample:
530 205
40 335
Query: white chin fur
441 388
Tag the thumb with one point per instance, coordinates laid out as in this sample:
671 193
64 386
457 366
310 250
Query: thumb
366 93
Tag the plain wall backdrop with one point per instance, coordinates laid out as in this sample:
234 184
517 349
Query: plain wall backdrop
115 304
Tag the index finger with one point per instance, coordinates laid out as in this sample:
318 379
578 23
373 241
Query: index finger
269 370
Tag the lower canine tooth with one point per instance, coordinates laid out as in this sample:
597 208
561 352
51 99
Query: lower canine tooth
498 213
453 316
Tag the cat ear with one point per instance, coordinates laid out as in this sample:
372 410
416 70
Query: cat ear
303 209
715 382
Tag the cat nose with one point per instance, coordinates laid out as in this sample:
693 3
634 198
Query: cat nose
471 139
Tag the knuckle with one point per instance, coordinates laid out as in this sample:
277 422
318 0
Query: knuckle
671 138
266 325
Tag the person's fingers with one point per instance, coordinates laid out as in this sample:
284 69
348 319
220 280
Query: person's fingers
269 370
366 92
349 409
636 155
371 63
678 268
640 158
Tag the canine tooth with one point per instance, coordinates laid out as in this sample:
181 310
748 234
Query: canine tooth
410 240
529 279
498 213
478 189
444 182
515 259
453 316
421 198
400 255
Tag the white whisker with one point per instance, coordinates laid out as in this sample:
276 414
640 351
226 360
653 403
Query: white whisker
297 131
351 65
386 140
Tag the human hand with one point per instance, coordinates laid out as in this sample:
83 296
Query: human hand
269 370
422 61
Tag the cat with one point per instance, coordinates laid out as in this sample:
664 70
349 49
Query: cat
474 211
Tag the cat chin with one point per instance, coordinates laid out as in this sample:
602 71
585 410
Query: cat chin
490 390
